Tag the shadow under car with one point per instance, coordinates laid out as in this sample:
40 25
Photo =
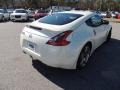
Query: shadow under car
102 71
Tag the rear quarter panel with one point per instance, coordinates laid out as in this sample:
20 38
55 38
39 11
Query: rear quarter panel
79 38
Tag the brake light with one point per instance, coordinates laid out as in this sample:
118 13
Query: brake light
60 39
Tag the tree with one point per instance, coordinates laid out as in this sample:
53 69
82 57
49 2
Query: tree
82 4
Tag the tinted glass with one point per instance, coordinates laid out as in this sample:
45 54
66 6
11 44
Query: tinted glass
60 18
20 11
94 21
5 11
1 11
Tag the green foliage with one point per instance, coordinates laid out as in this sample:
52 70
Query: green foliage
83 4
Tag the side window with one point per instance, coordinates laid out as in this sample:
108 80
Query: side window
94 21
5 11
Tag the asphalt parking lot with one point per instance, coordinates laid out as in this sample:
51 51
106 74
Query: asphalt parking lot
19 72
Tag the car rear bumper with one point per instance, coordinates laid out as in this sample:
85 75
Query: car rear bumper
60 57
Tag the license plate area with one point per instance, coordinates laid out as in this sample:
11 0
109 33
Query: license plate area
17 16
31 46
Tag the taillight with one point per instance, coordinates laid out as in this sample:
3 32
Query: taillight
60 39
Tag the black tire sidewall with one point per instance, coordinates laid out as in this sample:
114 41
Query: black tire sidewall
109 36
78 65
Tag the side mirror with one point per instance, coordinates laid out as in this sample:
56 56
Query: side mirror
105 22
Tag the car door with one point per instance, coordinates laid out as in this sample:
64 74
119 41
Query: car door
98 30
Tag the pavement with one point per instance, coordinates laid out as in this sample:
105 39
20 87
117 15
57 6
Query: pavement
19 72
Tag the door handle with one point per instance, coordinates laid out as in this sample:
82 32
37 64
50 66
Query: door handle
94 31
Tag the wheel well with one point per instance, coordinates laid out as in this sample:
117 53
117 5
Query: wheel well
110 31
111 28
89 43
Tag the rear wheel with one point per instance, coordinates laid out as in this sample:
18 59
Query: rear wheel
3 19
84 56
12 20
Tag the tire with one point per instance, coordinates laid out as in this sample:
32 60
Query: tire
84 56
27 19
13 20
109 36
3 19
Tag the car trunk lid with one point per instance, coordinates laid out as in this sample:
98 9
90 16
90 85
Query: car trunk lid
44 30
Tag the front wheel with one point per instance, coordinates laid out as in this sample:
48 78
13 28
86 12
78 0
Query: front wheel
109 36
84 56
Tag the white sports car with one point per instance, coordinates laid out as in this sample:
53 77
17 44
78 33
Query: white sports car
66 39
19 15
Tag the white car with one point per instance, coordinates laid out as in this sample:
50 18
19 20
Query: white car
66 39
113 15
103 14
19 15
4 15
54 11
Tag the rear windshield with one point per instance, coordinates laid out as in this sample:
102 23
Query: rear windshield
60 18
20 11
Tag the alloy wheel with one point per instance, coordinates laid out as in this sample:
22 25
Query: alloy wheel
84 56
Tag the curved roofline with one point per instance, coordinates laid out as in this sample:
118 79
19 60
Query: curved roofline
85 13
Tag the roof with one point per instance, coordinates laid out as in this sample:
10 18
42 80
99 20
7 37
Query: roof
20 9
85 13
